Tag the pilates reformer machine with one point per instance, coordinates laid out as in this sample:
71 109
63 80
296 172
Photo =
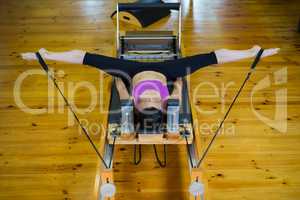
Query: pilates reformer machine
149 46
154 46
178 129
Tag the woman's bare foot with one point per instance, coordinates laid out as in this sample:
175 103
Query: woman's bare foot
28 56
267 52
32 56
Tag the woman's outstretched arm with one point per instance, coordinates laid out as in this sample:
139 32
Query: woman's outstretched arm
74 56
226 55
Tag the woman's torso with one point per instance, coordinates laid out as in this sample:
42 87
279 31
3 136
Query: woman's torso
154 85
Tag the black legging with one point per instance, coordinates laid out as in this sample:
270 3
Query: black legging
172 69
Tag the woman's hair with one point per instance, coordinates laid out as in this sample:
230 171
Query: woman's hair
150 120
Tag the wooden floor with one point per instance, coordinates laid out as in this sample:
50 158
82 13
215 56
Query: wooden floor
43 158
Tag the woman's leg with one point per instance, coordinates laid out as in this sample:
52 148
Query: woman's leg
226 55
124 69
74 56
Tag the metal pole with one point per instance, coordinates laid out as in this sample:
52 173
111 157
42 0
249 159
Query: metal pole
179 26
118 28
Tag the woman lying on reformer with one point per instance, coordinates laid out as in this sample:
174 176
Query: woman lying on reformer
149 80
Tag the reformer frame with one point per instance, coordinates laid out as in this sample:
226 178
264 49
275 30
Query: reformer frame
132 46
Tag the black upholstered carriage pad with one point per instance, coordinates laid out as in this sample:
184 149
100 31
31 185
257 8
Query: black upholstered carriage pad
145 15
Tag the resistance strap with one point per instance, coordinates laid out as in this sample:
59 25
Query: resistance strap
45 67
257 58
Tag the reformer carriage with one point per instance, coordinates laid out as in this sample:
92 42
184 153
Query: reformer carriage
149 46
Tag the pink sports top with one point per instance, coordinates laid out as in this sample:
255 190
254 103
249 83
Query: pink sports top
142 86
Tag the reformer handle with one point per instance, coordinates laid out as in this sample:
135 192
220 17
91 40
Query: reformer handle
257 58
41 61
135 6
